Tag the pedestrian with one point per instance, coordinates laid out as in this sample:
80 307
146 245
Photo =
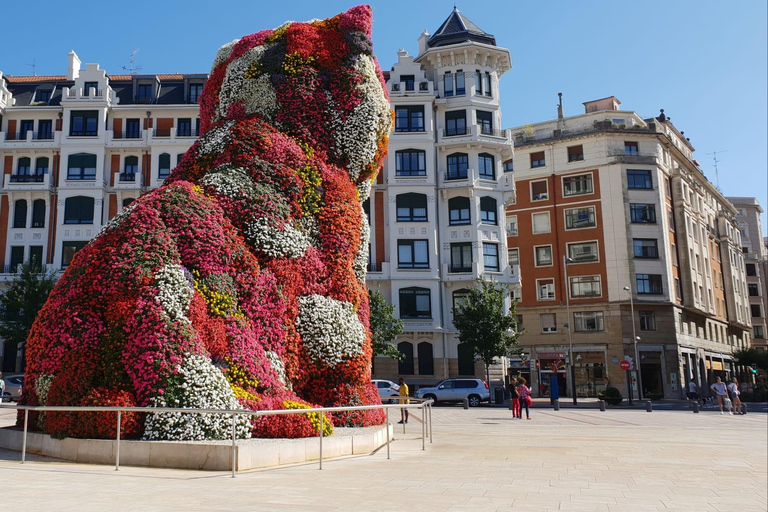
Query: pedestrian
2 388
524 393
693 390
515 399
720 391
733 387
403 391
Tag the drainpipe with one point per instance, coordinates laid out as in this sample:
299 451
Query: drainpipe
441 285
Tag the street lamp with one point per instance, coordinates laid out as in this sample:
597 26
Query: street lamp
635 339
566 261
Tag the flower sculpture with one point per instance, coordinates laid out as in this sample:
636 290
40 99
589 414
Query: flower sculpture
240 282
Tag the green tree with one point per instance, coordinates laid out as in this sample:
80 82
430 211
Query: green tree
21 303
752 356
384 326
483 325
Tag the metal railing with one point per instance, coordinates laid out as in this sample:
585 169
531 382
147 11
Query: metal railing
27 178
424 405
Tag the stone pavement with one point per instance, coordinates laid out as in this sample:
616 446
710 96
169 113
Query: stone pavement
481 460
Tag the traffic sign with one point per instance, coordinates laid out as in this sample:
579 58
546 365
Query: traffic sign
624 365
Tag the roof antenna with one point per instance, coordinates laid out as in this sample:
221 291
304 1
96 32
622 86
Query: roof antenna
34 67
132 68
714 158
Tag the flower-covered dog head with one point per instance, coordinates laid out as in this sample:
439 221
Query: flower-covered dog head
316 81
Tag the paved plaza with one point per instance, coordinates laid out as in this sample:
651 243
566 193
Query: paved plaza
481 460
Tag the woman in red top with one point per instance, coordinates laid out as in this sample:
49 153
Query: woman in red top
525 397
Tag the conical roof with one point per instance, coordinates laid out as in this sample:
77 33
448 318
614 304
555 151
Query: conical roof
458 29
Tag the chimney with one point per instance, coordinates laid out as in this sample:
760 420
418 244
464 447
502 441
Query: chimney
423 41
73 71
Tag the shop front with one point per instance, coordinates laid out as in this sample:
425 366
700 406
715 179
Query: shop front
591 375
552 369
520 368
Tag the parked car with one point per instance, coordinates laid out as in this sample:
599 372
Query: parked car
13 385
456 390
385 389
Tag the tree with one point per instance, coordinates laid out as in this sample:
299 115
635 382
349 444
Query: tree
21 303
483 325
752 356
384 326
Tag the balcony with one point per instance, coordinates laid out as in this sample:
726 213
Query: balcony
131 134
476 132
72 95
172 136
26 178
462 174
26 182
455 132
459 268
378 271
411 88
621 156
31 139
128 180
514 274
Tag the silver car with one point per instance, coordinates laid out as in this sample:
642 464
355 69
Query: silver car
456 390
386 389
13 386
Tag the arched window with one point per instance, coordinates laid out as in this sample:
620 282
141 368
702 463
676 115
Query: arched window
486 166
405 367
459 298
20 213
41 166
426 359
81 166
458 166
415 303
23 167
164 165
466 359
458 211
38 213
488 214
130 169
127 201
411 208
78 210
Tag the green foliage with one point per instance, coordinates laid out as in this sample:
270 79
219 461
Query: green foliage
752 356
482 323
611 392
21 303
384 326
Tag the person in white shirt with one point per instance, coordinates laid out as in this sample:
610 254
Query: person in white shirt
720 391
733 387
693 393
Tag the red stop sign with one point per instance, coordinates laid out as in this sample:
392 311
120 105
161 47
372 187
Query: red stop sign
624 365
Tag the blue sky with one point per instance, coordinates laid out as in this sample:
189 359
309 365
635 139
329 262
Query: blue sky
704 62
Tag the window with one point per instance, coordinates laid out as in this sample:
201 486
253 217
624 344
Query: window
508 166
576 153
485 122
458 166
45 129
578 218
538 160
754 290
540 223
539 190
646 248
411 207
758 332
487 83
415 303
491 257
84 123
543 255
20 214
466 363
78 210
409 119
583 252
461 257
184 127
647 320
630 148
87 86
756 310
448 84
545 289
461 87
405 366
548 322
678 289
179 157
81 166
518 323
459 299
408 80
41 166
642 213
585 286
68 250
164 165
751 269
23 166
577 185
17 257
36 256
195 90
426 358
26 126
512 225
648 284
639 179
127 201
38 213
144 93
43 96
588 321
513 255
456 123
488 211
411 162
132 129
412 254
458 211
486 166
130 169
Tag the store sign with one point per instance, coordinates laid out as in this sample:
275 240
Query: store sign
551 355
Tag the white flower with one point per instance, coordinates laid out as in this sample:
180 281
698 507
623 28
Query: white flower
224 53
42 387
175 293
229 181
199 385
276 242
330 329
215 141
258 93
277 364
361 257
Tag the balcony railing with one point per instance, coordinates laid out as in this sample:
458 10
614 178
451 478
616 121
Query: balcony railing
127 176
455 132
460 268
27 178
624 157
97 93
457 175
374 267
492 132
187 133
129 134
22 136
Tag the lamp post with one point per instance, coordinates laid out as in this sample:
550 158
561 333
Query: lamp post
635 339
566 261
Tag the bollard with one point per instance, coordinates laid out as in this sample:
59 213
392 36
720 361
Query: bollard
466 403
743 408
648 406
695 407
557 404
602 405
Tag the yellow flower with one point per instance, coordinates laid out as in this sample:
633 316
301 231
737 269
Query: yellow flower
314 417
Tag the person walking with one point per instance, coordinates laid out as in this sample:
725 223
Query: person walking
693 390
403 391
524 393
720 392
515 399
733 387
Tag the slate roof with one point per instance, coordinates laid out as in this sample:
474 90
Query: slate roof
458 29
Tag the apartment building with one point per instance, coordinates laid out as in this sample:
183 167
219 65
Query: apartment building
651 250
77 148
437 210
756 258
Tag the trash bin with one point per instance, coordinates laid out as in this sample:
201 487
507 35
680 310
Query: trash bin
498 395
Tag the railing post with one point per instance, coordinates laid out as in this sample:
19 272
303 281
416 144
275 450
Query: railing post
322 425
423 426
117 437
24 440
387 409
430 422
234 450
